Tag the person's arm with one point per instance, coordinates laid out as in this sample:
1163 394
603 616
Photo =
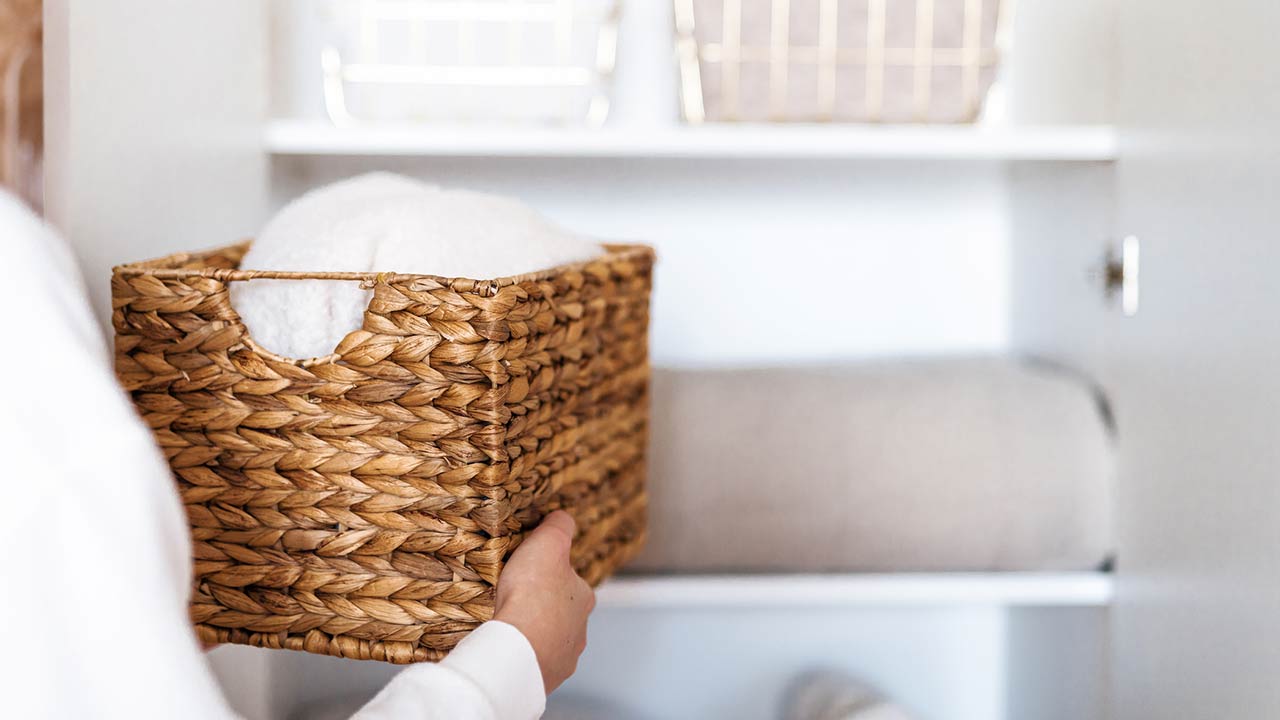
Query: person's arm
99 563
504 669
102 570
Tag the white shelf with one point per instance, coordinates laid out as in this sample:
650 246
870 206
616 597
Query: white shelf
856 590
1089 143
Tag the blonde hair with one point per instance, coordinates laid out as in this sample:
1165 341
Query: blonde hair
21 98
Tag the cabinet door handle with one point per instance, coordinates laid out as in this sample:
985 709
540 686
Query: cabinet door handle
1120 274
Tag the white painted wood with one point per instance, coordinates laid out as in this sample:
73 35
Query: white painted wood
1067 143
1195 372
850 591
1062 62
155 114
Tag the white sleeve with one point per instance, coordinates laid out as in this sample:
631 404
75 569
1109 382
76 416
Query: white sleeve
492 674
98 558
94 592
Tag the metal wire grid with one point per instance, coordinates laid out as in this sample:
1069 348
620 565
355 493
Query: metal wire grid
874 55
520 17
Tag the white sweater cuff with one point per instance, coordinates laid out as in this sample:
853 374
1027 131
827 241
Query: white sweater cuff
499 659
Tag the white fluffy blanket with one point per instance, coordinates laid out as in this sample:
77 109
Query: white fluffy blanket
384 223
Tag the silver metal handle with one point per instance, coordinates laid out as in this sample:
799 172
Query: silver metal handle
1120 274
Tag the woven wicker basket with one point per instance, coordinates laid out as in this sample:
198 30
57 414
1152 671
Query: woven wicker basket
362 504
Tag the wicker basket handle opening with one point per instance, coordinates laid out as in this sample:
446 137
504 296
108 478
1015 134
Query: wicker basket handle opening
368 281
217 288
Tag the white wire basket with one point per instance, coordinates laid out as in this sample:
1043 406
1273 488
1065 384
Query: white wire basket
891 61
470 61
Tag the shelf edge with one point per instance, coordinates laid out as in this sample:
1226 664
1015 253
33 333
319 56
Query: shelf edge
1086 143
759 591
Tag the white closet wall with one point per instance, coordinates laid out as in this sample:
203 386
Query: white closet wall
766 262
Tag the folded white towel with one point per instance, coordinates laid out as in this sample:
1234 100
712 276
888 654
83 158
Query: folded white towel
384 223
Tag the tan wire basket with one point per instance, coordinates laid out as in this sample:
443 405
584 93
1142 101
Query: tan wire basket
362 504
890 61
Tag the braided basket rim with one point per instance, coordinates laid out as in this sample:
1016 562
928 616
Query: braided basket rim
162 268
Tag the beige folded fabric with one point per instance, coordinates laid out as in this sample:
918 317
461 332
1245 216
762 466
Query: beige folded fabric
971 464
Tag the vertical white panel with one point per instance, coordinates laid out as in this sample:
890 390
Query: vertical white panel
155 113
1195 372
153 118
1056 667
247 676
645 84
1063 61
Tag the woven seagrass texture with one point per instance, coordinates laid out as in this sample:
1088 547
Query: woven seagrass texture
362 504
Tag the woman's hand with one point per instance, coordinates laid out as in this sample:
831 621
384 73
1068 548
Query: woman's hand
541 595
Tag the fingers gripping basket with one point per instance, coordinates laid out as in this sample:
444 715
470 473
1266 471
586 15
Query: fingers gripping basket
362 504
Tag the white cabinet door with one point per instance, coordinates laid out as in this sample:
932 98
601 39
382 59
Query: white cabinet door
1196 374
153 122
